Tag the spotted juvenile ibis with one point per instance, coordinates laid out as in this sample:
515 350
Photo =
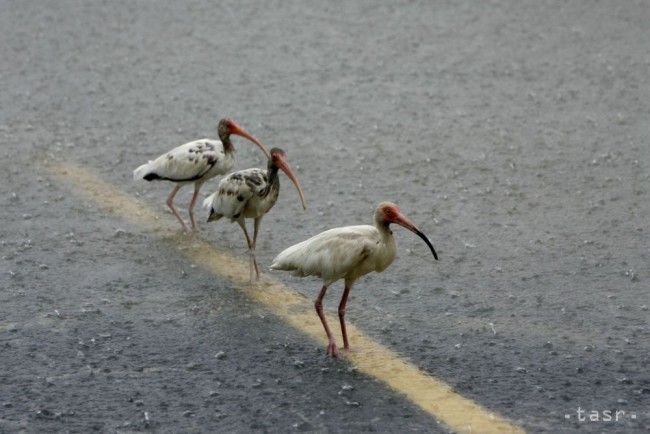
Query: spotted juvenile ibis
196 162
347 253
251 193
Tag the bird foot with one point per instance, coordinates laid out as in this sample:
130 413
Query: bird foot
184 228
332 349
191 229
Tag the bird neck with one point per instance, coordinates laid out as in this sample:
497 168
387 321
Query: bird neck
382 226
227 144
272 171
273 180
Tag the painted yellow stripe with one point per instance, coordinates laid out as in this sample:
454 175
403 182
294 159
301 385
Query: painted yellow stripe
431 394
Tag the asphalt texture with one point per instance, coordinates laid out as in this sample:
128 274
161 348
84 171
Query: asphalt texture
514 133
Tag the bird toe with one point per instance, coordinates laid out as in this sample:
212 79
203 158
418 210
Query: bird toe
332 350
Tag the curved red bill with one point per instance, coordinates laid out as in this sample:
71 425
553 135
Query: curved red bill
403 221
282 163
239 131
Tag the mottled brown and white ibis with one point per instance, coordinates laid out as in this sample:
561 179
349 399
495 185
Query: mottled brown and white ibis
251 193
347 253
196 162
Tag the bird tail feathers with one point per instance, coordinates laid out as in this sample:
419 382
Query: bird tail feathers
142 171
208 201
208 204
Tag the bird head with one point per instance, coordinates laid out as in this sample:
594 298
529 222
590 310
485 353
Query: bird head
388 213
279 160
228 127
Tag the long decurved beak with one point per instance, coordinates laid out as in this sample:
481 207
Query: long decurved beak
284 166
239 131
403 221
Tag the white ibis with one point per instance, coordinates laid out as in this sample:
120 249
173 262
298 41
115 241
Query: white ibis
346 253
251 193
196 162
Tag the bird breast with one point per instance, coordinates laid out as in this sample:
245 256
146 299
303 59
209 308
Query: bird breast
262 202
378 258
223 165
384 257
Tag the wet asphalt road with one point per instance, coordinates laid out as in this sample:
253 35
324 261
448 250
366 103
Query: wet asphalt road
514 133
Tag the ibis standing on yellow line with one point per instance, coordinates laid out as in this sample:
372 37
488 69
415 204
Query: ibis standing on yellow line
347 253
251 193
196 162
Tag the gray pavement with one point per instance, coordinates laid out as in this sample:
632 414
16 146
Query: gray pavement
514 133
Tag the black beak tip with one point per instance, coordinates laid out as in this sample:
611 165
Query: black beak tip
426 240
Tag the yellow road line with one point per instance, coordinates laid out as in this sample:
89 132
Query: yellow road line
431 394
